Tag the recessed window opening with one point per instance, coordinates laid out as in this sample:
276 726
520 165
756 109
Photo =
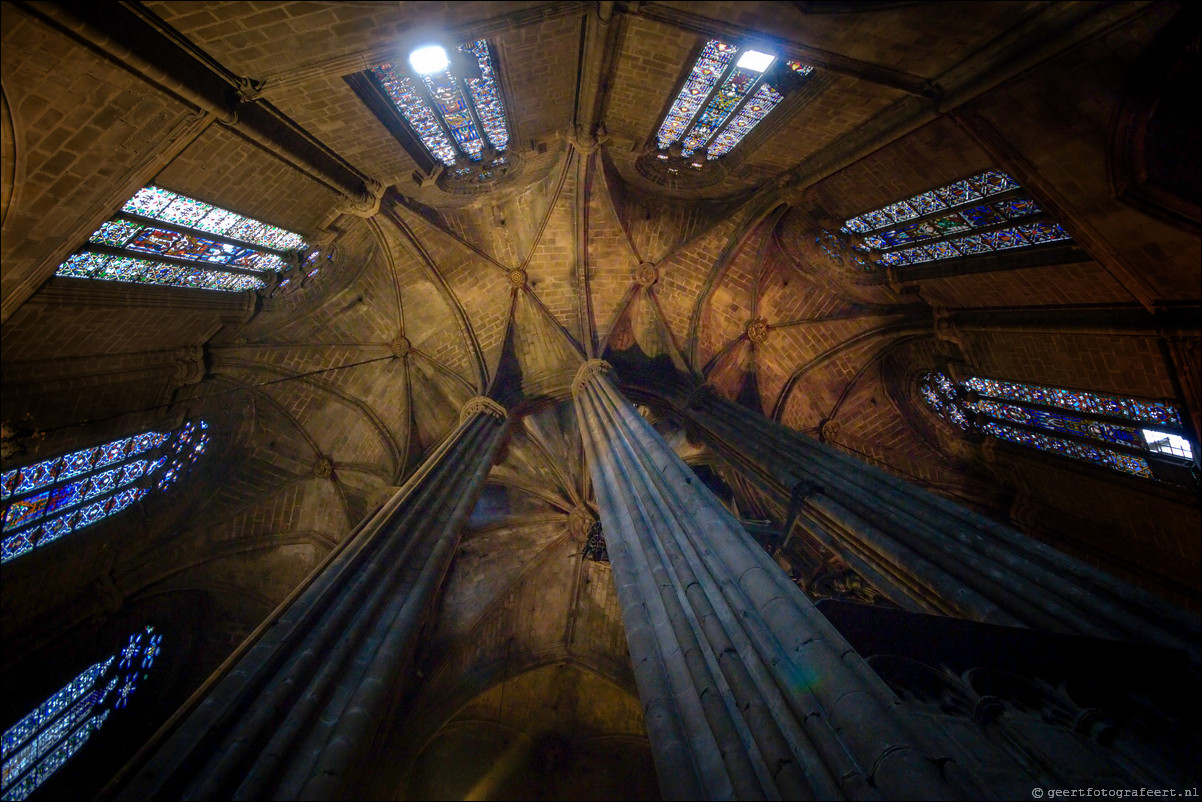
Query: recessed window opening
162 237
1106 430
729 91
452 102
984 213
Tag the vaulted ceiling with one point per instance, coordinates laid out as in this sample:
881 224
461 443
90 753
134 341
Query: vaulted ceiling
326 399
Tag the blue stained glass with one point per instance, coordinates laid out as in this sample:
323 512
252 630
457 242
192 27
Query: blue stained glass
1131 409
14 546
41 742
957 193
714 59
1036 233
1105 457
899 211
414 108
1003 239
721 105
101 475
486 96
756 109
452 106
971 244
1062 423
927 203
115 233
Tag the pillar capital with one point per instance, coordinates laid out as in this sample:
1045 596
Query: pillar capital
481 403
589 370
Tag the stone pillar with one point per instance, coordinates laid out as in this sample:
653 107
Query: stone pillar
926 553
748 692
295 716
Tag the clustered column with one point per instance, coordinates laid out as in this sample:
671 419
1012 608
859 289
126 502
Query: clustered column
293 716
926 553
748 692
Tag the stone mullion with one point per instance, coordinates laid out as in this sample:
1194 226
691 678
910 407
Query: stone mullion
1025 579
748 612
291 718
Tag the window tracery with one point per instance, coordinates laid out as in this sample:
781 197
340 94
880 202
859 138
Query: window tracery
984 213
44 501
41 742
162 237
455 107
1128 435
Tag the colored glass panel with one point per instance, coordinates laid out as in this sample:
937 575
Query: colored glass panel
1085 452
723 102
171 207
106 476
41 742
958 193
146 271
1078 400
756 109
486 96
416 111
1062 423
451 104
707 71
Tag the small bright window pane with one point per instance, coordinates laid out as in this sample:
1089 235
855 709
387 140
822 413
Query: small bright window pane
429 59
754 60
1166 443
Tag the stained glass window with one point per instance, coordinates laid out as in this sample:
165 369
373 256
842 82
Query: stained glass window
37 745
455 116
1107 430
162 237
47 500
727 93
984 213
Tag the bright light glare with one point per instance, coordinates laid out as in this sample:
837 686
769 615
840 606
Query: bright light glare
755 60
1166 443
428 59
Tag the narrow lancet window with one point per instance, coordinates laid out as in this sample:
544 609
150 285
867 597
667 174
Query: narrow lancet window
41 742
984 213
1129 435
162 237
728 92
44 501
453 105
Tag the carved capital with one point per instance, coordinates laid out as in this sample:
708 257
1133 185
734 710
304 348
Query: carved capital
483 404
367 203
589 370
580 521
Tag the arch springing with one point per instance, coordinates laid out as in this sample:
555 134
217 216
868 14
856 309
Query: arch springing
44 501
1128 435
162 237
41 742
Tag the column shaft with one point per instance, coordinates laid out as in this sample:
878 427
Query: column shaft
929 553
295 716
748 691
